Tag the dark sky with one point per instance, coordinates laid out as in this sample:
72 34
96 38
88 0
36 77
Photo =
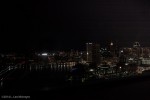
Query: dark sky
61 24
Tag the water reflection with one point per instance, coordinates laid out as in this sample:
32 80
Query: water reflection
56 67
1 83
30 68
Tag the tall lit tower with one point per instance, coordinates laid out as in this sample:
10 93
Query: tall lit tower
136 49
113 48
89 50
93 53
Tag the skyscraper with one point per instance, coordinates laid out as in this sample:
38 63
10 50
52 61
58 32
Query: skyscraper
89 52
113 48
137 49
93 53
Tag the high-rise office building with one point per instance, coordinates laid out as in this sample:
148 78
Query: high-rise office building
113 49
89 50
137 49
93 53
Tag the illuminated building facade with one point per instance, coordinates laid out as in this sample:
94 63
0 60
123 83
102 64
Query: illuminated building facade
136 50
113 49
137 54
93 53
89 50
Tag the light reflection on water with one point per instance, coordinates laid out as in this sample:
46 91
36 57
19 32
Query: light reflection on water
30 68
1 83
51 67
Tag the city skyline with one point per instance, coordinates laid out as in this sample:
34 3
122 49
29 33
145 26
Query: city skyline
75 49
80 47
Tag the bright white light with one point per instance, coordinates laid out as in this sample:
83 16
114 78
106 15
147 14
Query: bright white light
44 54
91 70
88 43
120 67
9 68
111 44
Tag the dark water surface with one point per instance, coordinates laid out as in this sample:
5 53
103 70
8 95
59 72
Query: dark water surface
49 83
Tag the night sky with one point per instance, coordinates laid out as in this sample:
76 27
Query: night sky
68 24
